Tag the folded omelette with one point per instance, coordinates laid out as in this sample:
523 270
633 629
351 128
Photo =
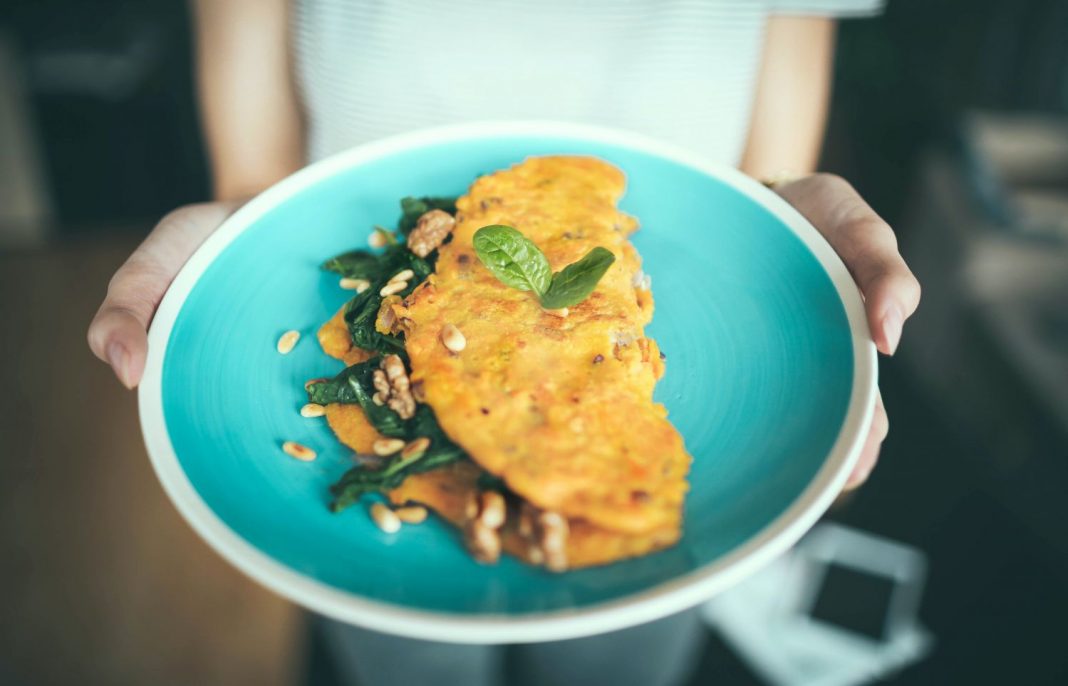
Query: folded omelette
565 459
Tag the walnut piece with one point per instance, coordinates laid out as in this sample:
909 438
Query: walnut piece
547 533
394 389
386 322
485 514
483 543
430 231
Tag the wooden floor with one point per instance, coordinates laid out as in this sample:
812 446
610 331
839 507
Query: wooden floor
101 582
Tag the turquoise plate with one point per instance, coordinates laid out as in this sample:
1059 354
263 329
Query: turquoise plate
770 378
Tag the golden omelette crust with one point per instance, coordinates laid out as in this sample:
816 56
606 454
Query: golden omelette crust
336 341
560 408
445 491
352 428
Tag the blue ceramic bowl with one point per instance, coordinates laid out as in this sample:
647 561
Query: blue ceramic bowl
770 379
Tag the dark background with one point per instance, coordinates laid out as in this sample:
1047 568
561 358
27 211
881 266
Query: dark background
950 117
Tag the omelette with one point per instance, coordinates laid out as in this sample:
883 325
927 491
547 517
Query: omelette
566 460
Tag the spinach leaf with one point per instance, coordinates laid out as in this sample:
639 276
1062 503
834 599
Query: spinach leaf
360 317
356 264
360 481
355 385
576 281
513 258
362 310
413 208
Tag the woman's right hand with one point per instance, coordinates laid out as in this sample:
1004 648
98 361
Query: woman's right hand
118 334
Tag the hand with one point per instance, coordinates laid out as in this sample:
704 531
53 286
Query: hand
118 334
868 247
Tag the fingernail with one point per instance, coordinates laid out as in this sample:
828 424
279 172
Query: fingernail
119 360
892 323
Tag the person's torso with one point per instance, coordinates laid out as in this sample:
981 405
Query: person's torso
679 70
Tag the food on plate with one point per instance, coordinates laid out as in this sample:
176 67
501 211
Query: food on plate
498 371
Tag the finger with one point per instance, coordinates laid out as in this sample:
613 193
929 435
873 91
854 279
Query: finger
869 454
118 332
867 246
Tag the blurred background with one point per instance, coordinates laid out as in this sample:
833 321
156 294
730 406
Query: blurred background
950 117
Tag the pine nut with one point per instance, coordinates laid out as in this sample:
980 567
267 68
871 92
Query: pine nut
417 446
556 561
312 410
411 514
559 312
452 338
491 510
387 446
402 275
358 285
535 555
642 281
298 451
393 287
379 238
377 399
385 518
288 341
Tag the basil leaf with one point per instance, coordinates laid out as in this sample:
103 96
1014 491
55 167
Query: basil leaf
576 281
413 208
357 264
513 258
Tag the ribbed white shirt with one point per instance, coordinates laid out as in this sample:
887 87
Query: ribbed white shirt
681 70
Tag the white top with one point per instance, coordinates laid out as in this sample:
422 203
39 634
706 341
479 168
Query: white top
680 70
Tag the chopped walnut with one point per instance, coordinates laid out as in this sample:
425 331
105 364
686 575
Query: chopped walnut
483 542
547 533
430 231
387 322
485 514
394 389
419 392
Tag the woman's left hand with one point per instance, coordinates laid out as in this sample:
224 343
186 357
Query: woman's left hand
868 247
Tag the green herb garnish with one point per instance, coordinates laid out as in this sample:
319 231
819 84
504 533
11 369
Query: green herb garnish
574 283
513 258
518 262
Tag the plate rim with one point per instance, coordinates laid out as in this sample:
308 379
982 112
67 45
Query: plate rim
652 603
